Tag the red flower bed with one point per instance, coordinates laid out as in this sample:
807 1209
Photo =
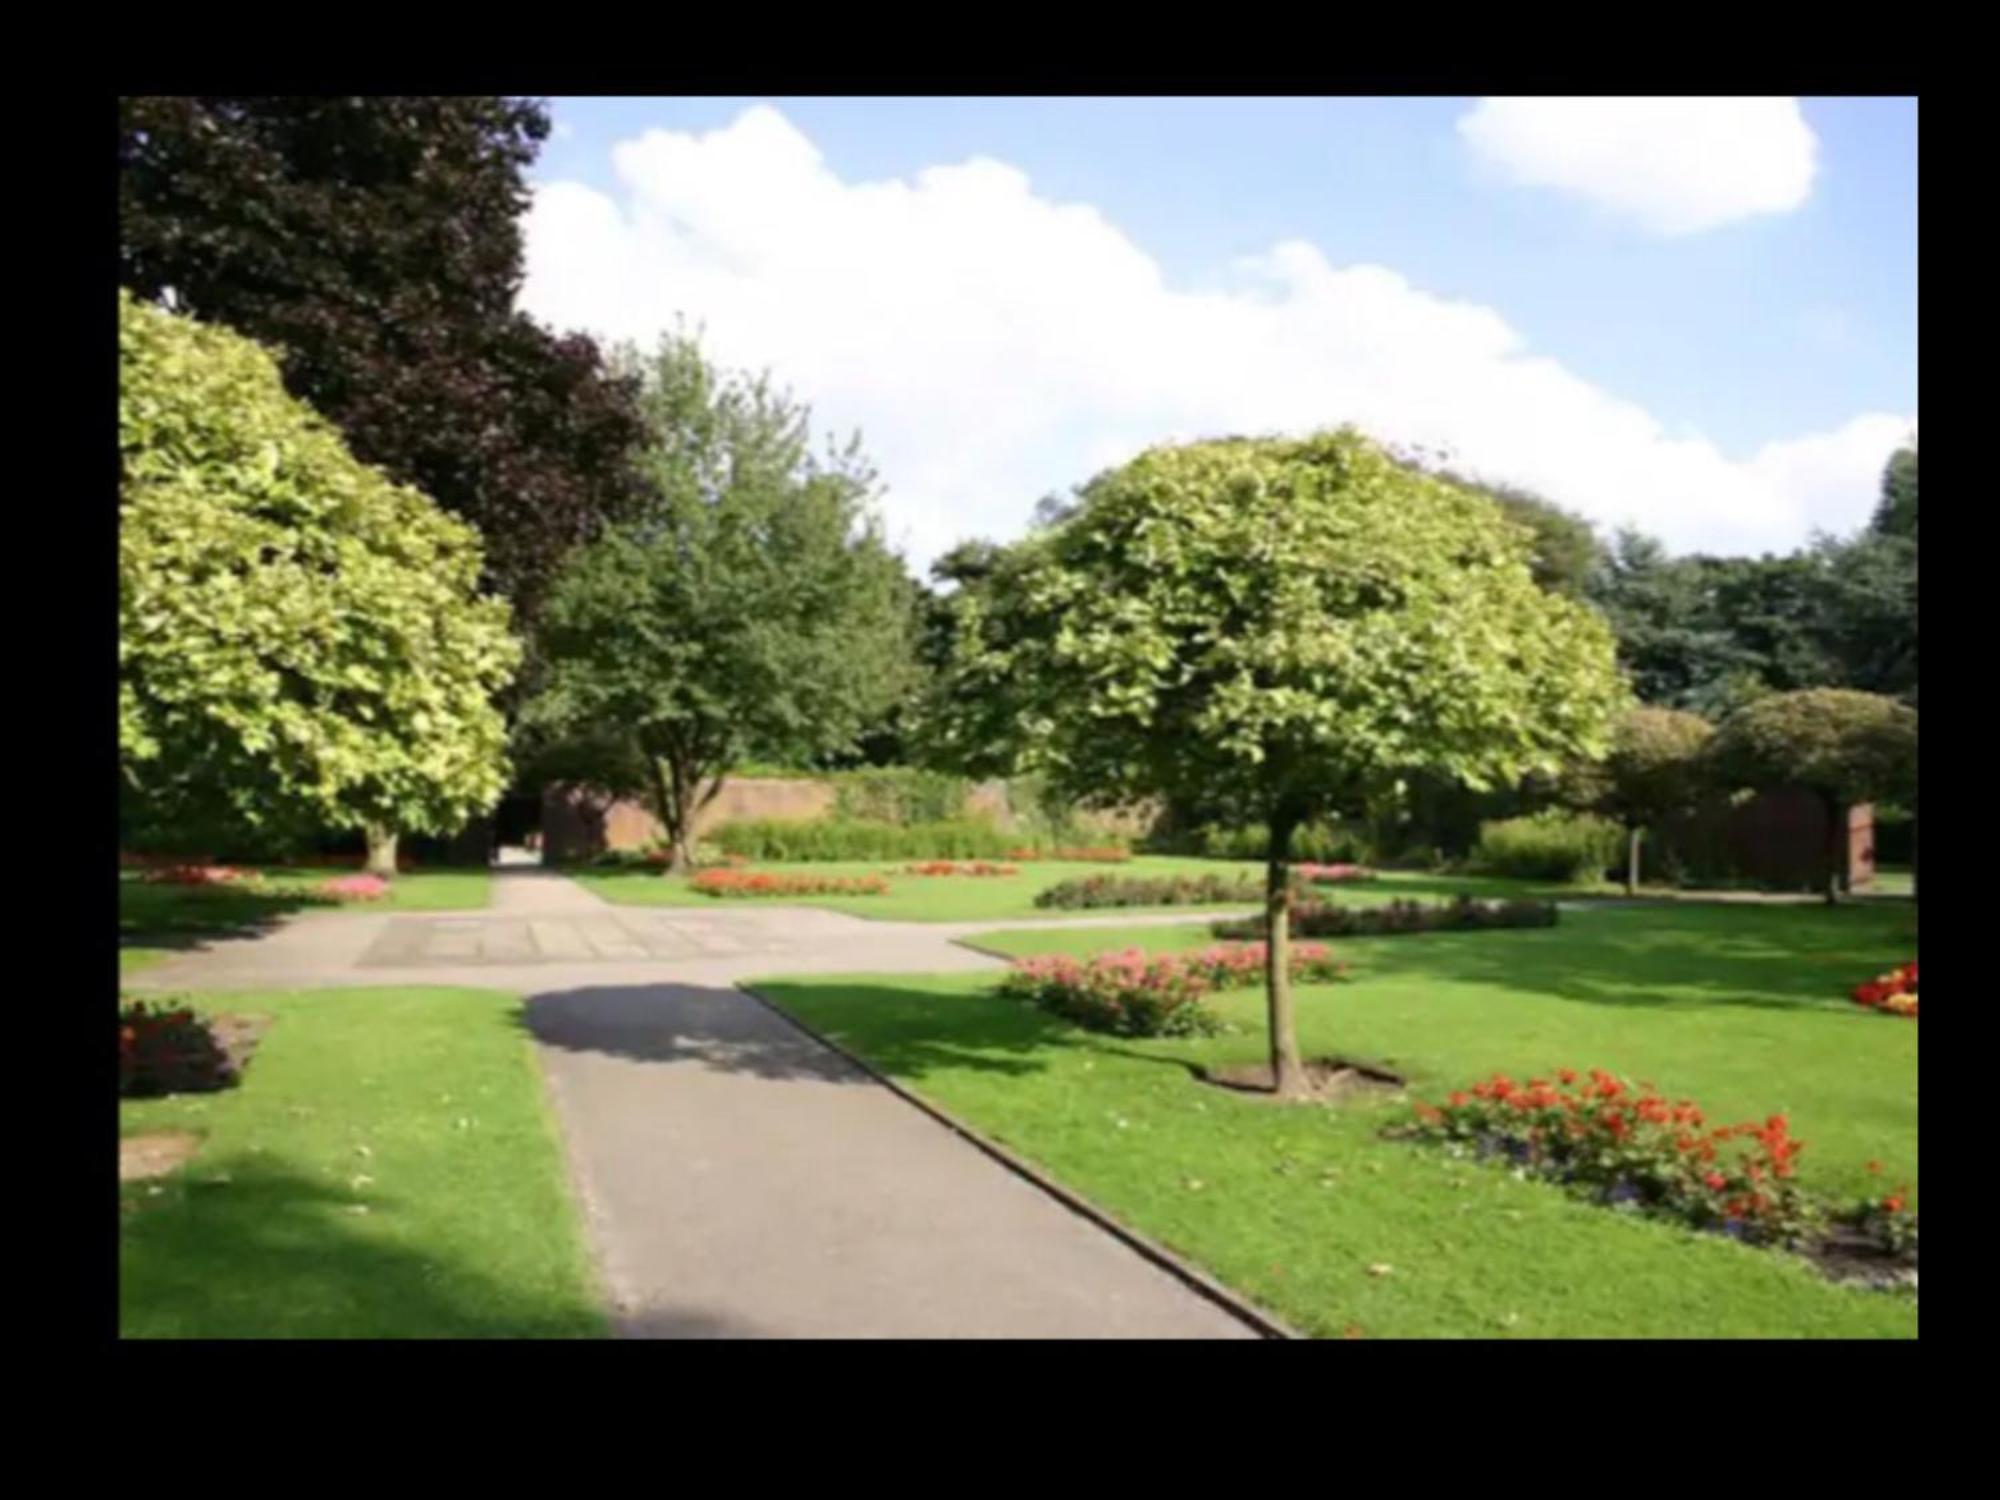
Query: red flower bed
198 875
1129 994
738 883
1334 874
970 867
1094 856
354 888
1894 992
169 1052
1632 1147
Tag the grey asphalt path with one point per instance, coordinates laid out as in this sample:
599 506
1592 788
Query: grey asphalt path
739 1178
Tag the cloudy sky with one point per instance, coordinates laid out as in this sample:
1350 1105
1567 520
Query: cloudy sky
1696 316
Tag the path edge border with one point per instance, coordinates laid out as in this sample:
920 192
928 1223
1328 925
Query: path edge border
1268 1325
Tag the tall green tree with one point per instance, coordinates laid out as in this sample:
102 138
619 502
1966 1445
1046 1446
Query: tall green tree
751 608
301 641
1267 631
1896 512
1656 769
375 243
1845 747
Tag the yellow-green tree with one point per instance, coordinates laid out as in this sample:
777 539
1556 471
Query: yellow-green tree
1270 631
300 639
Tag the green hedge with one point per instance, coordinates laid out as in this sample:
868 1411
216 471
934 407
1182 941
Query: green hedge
1571 847
781 839
1317 843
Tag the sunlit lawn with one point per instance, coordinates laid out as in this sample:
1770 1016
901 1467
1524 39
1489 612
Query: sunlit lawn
388 1168
1742 1008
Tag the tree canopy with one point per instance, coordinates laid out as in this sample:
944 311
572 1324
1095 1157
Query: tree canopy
1847 747
1269 630
374 243
1655 769
301 641
751 608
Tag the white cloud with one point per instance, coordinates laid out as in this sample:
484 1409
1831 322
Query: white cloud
994 346
1677 166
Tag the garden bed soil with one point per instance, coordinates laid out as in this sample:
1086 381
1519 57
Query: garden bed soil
154 1155
1845 1254
1329 1080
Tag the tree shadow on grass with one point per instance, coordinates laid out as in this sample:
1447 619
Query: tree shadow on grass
907 1032
193 917
271 1254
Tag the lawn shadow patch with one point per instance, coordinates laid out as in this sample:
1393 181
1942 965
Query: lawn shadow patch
249 1249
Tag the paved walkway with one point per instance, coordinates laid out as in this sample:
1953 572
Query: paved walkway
740 1179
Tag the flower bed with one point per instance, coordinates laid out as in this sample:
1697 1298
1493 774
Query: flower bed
1312 918
170 1052
1170 890
1103 856
1129 994
740 883
1629 1146
354 888
949 867
1894 993
199 875
1334 874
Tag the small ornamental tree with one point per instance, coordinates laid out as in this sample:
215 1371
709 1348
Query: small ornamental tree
1269 631
1844 746
752 609
300 640
1655 769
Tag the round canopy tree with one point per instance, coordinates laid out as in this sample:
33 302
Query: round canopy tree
1655 769
1270 631
1843 746
300 640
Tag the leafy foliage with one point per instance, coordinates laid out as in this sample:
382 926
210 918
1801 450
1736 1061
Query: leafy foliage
299 638
1848 747
1572 847
784 839
752 608
374 241
1656 769
1272 630
1318 918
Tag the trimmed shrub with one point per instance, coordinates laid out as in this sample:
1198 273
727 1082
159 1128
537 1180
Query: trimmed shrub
1314 918
1575 848
1108 854
1175 890
782 839
1318 843
735 883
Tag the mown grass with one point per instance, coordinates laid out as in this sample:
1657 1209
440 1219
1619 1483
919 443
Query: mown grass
1740 1007
388 1168
980 898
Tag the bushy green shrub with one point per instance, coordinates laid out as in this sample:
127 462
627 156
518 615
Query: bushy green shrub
780 839
1573 847
898 794
1170 890
1317 843
1314 918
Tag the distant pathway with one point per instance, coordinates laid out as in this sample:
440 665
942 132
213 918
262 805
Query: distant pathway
739 1178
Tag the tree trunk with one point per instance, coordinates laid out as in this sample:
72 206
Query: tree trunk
672 809
381 851
1288 1072
1632 862
1836 849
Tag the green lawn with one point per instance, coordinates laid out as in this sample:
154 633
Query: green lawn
154 920
388 1168
981 898
1739 1007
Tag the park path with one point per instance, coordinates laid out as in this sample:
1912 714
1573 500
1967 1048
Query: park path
739 1178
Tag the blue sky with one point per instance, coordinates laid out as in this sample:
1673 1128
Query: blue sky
1790 322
